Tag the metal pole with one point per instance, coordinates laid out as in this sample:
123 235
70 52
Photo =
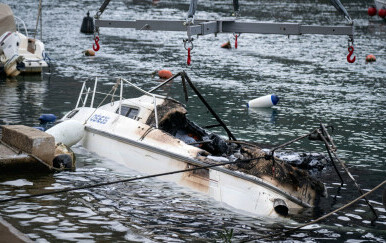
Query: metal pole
93 94
80 94
165 82
230 135
120 97
85 99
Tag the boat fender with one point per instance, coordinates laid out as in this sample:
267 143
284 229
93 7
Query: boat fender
280 207
67 132
264 101
44 118
87 24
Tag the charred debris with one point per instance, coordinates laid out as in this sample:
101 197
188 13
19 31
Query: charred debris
293 170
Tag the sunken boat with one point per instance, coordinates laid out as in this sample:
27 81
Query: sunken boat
152 134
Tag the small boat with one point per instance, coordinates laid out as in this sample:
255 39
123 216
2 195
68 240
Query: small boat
379 4
19 53
152 134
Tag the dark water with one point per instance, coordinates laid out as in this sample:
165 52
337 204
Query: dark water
310 74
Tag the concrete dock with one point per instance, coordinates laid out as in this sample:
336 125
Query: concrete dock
25 148
9 233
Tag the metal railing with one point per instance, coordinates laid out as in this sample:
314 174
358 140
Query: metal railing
18 22
84 93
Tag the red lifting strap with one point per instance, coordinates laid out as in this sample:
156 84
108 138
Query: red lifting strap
189 58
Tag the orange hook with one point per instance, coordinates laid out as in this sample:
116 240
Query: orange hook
350 52
96 48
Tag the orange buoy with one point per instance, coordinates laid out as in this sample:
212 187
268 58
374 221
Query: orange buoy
372 10
370 58
89 52
226 45
164 74
382 13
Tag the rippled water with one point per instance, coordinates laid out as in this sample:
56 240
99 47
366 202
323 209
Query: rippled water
309 73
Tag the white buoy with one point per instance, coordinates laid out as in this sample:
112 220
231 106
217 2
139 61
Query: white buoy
68 132
264 101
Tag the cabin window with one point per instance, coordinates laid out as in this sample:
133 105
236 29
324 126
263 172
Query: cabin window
132 113
72 113
129 112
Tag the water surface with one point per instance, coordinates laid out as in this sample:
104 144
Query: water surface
309 73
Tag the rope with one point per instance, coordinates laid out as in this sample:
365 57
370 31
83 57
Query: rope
191 11
146 133
338 5
102 8
327 215
126 180
236 8
38 17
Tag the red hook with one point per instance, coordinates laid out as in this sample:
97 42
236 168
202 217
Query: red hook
350 52
96 48
189 58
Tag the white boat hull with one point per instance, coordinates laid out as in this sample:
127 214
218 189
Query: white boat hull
20 49
32 50
379 4
243 192
134 133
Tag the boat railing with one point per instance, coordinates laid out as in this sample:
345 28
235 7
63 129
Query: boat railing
18 22
86 91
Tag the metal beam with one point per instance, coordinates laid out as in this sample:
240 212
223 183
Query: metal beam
203 27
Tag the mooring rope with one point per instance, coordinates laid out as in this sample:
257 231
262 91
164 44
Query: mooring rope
37 21
127 180
324 216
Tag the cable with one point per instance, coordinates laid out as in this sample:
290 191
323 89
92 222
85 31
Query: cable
324 216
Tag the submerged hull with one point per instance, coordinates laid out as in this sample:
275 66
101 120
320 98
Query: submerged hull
150 151
152 135
243 192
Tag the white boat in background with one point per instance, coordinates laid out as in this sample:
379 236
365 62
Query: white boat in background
379 4
19 53
152 134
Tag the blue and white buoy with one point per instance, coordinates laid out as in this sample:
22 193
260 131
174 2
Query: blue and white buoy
264 101
44 118
46 121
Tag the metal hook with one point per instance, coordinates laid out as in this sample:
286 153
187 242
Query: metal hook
350 52
96 46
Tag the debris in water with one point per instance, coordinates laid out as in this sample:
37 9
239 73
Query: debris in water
226 45
370 58
89 52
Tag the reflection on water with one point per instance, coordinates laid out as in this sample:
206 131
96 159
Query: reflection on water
310 72
266 114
